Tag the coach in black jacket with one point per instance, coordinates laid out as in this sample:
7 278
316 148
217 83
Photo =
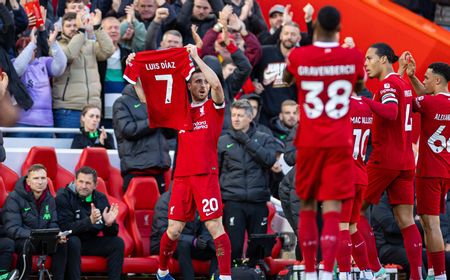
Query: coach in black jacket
31 206
143 151
245 158
87 212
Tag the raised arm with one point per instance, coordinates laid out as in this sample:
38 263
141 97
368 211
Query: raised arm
217 94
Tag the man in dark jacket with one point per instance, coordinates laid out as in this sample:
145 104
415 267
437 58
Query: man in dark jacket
245 158
87 212
143 151
195 241
31 206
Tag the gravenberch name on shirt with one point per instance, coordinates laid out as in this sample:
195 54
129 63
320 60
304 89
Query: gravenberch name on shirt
160 65
441 117
330 70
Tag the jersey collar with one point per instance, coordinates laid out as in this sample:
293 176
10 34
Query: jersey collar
392 73
326 44
443 93
193 105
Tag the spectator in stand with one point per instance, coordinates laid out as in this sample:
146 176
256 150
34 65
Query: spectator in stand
132 31
70 6
31 206
143 151
83 43
195 241
35 72
255 101
245 158
171 38
8 113
283 124
269 73
246 41
278 17
111 71
202 13
91 135
88 213
7 42
250 13
21 19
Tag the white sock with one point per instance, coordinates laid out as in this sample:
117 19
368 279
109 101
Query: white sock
441 277
163 273
367 274
225 277
326 275
311 275
345 276
431 272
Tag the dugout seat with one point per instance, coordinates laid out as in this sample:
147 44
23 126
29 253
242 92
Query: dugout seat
47 156
98 159
3 193
141 197
9 177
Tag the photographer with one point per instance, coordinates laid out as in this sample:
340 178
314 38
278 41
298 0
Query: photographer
31 206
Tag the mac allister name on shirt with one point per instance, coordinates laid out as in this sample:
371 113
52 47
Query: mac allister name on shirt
160 65
362 120
330 70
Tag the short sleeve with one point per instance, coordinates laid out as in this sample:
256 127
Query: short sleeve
388 93
188 65
360 72
418 104
131 73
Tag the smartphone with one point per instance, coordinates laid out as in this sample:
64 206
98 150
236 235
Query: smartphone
33 8
64 233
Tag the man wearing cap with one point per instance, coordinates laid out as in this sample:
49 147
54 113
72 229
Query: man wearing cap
279 15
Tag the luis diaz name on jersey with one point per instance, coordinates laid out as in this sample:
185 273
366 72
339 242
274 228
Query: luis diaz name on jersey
160 65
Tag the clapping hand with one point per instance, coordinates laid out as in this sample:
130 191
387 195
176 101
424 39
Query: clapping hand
110 215
102 136
4 80
95 214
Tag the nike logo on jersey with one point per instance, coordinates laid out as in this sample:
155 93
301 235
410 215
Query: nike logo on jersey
137 105
357 245
209 213
230 145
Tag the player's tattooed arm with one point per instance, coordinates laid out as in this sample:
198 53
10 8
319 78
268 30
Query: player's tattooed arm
409 64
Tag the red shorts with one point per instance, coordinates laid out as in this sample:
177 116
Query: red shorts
430 195
351 207
190 193
324 173
399 185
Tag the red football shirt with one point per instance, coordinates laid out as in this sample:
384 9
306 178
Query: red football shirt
197 148
434 147
362 119
163 74
392 139
325 74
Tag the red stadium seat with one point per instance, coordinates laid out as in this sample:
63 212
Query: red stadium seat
168 178
120 220
51 187
47 157
3 193
141 198
98 159
101 186
278 245
9 177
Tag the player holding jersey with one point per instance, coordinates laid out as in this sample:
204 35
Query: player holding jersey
325 74
433 166
391 164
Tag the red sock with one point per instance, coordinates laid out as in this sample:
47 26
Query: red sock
429 259
359 251
223 253
309 238
366 231
413 246
438 261
166 249
329 239
344 253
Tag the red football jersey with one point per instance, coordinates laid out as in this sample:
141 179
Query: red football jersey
163 75
362 119
197 148
434 146
325 74
392 140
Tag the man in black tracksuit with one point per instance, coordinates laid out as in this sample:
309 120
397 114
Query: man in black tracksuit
31 206
245 158
87 212
143 151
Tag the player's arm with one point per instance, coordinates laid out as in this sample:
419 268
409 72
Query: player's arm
387 110
217 94
359 85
